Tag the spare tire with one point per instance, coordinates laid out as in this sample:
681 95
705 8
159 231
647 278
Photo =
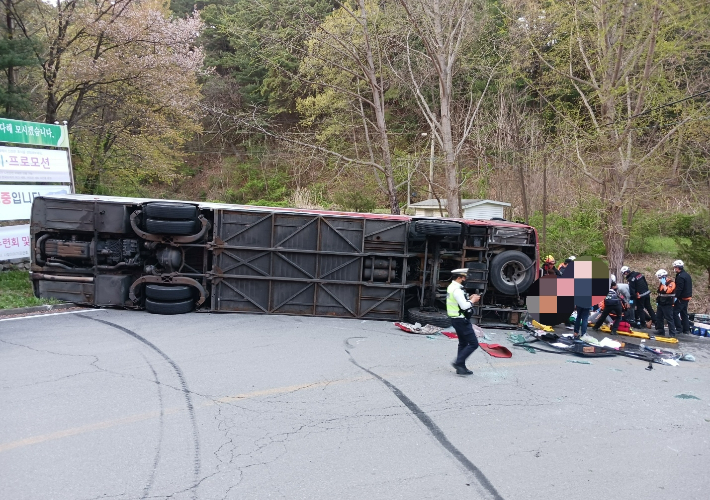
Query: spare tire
168 293
512 272
436 318
178 307
170 211
176 227
437 228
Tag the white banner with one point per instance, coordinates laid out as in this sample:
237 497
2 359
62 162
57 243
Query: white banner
14 242
16 200
33 165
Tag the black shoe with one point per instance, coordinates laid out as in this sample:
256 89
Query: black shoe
461 370
613 332
595 329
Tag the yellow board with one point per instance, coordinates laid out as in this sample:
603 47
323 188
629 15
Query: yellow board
640 335
668 340
540 326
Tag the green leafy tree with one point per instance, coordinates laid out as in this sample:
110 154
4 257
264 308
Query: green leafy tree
609 71
258 45
16 53
693 239
448 63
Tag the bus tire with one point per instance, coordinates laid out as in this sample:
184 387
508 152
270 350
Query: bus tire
176 227
168 293
511 268
178 307
435 318
170 211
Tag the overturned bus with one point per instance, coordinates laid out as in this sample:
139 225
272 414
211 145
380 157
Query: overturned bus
170 257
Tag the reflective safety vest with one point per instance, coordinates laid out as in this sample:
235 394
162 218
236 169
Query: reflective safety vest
666 293
452 307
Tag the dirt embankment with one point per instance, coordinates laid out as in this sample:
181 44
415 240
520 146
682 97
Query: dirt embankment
648 264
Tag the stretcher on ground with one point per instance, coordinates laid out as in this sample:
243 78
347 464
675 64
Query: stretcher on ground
640 335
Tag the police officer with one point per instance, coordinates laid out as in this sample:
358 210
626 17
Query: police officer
683 294
459 308
665 299
612 304
640 295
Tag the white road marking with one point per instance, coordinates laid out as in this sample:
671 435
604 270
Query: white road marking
44 315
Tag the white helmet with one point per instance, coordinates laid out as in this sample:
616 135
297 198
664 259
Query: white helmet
661 273
459 272
625 269
613 278
678 263
572 257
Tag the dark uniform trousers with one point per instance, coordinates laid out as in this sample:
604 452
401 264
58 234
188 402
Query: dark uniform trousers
644 303
680 316
468 342
665 312
608 309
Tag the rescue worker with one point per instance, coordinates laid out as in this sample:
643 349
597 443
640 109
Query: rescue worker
625 294
566 263
665 299
612 304
683 294
640 296
459 308
548 267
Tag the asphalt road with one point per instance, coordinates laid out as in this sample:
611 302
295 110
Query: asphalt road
127 405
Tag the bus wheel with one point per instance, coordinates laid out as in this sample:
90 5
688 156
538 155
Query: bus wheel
168 293
512 272
425 317
178 307
176 227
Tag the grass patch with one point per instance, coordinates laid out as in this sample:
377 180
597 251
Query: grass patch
16 291
656 245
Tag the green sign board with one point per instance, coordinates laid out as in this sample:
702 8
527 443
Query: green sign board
40 134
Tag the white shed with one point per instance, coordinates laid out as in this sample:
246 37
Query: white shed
484 209
472 209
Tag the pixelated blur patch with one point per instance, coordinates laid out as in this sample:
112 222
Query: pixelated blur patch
584 283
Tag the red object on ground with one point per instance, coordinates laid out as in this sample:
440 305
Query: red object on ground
451 335
401 326
624 326
497 350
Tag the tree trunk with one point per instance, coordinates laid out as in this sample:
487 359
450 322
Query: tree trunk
523 192
11 73
614 236
378 102
51 108
453 205
544 206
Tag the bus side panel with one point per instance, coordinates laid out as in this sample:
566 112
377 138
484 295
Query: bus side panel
307 264
82 216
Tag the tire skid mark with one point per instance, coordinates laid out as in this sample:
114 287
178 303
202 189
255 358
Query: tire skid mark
161 426
185 391
488 489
